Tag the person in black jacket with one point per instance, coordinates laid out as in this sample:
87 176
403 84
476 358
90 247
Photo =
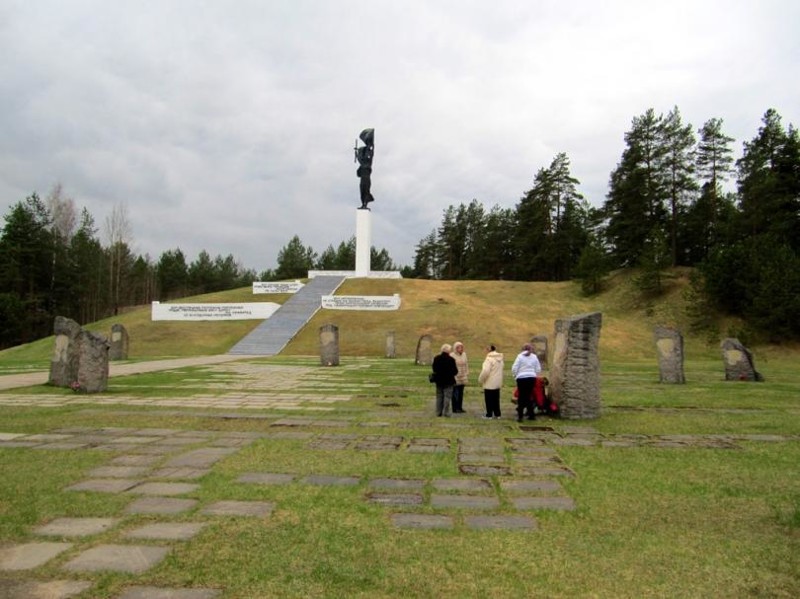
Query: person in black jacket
444 373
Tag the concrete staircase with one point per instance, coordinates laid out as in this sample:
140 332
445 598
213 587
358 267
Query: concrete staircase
272 335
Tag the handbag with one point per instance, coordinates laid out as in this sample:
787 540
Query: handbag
432 377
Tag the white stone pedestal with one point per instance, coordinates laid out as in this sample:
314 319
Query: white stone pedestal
363 242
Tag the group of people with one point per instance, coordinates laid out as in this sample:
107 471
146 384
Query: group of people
451 371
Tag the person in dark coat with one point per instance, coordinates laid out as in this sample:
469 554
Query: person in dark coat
445 370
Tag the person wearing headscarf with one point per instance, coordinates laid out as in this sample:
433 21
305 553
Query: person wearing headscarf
460 356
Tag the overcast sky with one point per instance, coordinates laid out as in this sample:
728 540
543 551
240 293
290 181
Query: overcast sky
229 125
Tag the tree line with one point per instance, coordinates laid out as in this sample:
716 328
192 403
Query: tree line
665 206
53 261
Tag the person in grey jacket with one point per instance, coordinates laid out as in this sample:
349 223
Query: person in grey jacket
525 369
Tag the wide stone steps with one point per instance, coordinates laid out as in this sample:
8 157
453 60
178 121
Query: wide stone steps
272 335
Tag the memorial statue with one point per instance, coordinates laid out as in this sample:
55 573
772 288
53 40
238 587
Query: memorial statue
364 159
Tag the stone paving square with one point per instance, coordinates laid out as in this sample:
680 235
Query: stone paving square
75 527
9 436
140 592
414 484
266 478
157 432
414 448
500 522
477 470
544 503
27 556
337 481
461 484
135 460
118 471
166 531
481 458
181 473
133 559
164 489
421 521
51 589
395 499
239 508
181 441
530 486
475 502
160 505
540 471
132 440
200 458
105 485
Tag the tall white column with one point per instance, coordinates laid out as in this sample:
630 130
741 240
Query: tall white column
363 242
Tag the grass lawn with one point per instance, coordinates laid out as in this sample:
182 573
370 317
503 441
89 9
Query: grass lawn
649 520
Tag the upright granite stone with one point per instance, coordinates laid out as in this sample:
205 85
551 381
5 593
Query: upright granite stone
738 360
64 363
329 345
575 370
539 344
119 343
424 355
93 362
669 343
391 348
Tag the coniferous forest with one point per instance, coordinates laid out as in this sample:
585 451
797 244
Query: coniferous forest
665 206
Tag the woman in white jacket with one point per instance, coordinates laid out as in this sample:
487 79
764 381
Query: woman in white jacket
491 379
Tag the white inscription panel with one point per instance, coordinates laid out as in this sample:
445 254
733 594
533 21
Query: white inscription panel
277 286
245 311
361 302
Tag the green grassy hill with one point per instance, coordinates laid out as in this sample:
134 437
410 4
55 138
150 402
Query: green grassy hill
477 313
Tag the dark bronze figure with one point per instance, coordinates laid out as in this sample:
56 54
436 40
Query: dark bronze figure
364 172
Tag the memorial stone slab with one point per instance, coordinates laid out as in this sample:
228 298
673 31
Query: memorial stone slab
461 484
531 486
147 592
415 484
421 521
500 522
424 353
27 556
105 485
50 589
239 508
118 349
539 344
266 478
64 363
669 344
739 365
200 458
75 527
575 369
163 489
92 362
335 481
131 559
166 531
391 346
329 345
474 502
544 503
395 499
160 505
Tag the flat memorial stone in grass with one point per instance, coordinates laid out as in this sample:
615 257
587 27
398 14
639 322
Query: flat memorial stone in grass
27 556
421 521
105 485
166 531
500 522
164 489
50 589
544 471
531 486
160 505
481 458
75 527
395 499
471 470
239 508
118 471
544 503
266 478
181 473
461 484
201 458
132 559
335 481
414 484
475 502
143 592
